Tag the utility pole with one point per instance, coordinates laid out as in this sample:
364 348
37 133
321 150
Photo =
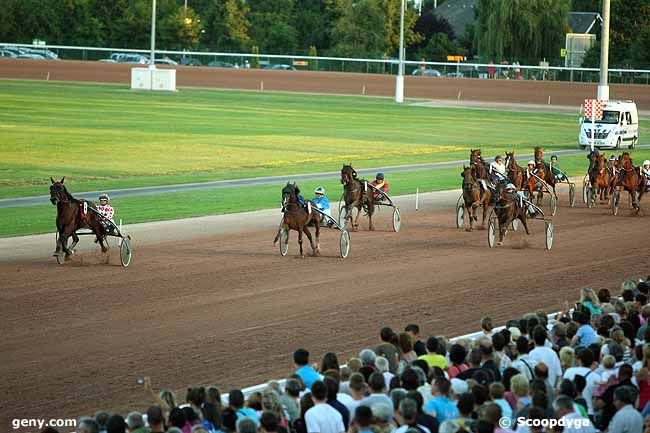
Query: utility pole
603 86
399 84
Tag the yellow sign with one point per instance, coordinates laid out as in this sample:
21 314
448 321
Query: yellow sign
563 52
300 63
456 58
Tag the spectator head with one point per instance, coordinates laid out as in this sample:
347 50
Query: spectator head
486 324
519 385
101 417
405 342
332 388
377 383
381 364
134 421
246 425
465 405
624 395
410 379
408 410
523 347
539 335
413 330
155 416
563 405
319 391
116 424
367 357
432 345
329 362
386 334
177 417
236 398
457 354
88 425
301 357
497 390
441 387
269 422
363 417
397 395
292 388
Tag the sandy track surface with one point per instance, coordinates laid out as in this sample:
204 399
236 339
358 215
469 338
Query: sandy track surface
226 308
505 91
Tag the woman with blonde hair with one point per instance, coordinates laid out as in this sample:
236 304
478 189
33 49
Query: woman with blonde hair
590 301
567 358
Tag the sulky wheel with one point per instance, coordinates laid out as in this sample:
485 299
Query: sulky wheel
126 251
284 241
548 225
344 244
492 233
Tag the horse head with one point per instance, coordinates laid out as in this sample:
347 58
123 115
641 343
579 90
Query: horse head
290 193
58 192
348 174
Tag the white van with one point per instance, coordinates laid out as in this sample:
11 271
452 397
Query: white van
618 128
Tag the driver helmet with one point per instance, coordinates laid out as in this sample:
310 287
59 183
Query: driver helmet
613 158
510 186
646 162
498 158
104 197
319 190
531 162
380 176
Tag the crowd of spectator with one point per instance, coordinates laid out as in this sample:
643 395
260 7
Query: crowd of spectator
586 370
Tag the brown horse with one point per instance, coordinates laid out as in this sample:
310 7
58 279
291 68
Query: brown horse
474 196
514 171
297 218
71 215
508 208
548 173
631 180
356 194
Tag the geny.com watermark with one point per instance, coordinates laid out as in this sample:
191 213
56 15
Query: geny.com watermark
569 423
40 423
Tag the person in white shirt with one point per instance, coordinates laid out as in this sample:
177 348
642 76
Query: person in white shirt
541 353
322 418
584 360
573 422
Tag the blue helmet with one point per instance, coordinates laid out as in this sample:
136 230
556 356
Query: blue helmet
380 176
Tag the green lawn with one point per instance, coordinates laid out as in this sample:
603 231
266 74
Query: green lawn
40 219
105 136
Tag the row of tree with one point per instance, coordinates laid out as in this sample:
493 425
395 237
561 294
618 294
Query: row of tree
525 31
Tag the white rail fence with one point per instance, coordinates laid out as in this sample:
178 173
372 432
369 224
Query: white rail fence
349 64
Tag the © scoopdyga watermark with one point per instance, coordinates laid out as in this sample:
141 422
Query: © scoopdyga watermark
570 423
40 424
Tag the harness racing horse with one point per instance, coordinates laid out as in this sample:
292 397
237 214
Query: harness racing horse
631 180
473 197
549 178
71 215
508 208
356 194
297 218
514 171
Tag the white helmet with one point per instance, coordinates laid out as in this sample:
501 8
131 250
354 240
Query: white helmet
646 162
531 162
319 190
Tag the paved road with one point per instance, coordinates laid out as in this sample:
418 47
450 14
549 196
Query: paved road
185 187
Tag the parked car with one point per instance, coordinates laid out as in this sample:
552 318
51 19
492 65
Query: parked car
427 73
220 64
190 61
283 68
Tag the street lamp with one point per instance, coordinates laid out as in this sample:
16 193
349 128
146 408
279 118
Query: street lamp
399 83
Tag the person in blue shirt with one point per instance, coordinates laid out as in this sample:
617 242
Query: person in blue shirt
304 370
586 336
441 406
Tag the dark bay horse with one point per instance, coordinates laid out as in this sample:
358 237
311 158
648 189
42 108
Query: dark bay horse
508 208
631 180
71 215
514 171
356 194
473 197
297 218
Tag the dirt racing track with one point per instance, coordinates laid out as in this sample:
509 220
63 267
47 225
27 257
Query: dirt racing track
211 302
